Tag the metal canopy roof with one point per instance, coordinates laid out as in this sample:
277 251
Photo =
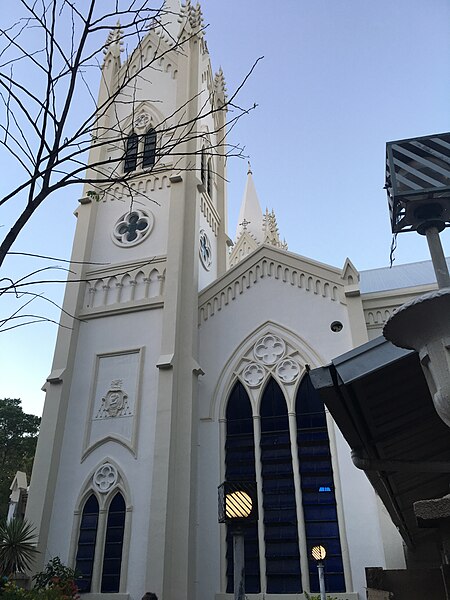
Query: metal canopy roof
378 397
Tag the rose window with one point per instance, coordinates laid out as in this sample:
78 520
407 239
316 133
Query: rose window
105 477
269 349
205 250
132 228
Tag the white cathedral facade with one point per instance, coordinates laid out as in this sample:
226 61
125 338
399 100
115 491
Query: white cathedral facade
182 362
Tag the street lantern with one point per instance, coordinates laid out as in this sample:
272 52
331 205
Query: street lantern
418 182
319 553
238 504
418 188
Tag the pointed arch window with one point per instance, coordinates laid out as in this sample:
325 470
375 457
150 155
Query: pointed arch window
318 490
209 177
87 540
240 466
131 153
288 453
203 166
149 153
112 557
280 512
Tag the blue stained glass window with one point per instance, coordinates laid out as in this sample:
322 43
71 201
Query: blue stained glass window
319 502
209 178
86 544
112 558
280 514
203 166
240 466
149 154
131 152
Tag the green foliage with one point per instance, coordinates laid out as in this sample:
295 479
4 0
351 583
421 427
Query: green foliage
57 576
18 437
17 546
12 592
55 582
92 195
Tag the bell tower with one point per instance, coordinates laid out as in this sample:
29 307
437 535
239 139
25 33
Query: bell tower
118 435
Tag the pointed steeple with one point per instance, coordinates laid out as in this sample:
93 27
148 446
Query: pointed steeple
254 228
250 216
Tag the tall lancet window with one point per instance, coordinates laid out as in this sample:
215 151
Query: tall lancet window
149 154
280 513
240 466
86 544
112 558
131 153
209 178
318 490
203 166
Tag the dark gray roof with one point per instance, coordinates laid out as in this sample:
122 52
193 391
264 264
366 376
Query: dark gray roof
397 277
379 399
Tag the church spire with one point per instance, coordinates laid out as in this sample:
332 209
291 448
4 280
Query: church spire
250 215
254 228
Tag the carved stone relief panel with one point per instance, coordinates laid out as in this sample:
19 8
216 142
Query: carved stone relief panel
114 397
114 402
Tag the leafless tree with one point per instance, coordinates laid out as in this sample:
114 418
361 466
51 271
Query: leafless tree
50 57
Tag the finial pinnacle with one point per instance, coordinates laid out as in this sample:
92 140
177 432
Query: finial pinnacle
249 171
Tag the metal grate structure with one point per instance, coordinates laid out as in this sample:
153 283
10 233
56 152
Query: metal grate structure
418 182
237 502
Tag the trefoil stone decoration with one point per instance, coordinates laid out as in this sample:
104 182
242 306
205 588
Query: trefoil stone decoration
205 250
132 228
115 402
142 121
253 374
288 370
269 349
105 477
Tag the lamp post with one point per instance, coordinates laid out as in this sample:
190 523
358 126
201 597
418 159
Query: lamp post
418 187
238 505
318 553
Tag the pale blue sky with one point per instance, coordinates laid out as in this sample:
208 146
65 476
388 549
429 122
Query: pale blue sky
339 78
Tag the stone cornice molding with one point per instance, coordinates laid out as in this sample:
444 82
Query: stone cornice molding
271 262
379 306
210 212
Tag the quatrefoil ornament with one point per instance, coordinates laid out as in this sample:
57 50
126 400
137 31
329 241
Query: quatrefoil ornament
253 374
132 228
288 370
105 477
269 349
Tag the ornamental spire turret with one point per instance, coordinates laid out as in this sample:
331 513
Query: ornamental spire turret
114 43
191 18
220 88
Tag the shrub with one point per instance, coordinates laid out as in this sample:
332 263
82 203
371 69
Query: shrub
17 546
58 579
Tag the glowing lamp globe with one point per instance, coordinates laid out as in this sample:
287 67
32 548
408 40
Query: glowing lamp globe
318 553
